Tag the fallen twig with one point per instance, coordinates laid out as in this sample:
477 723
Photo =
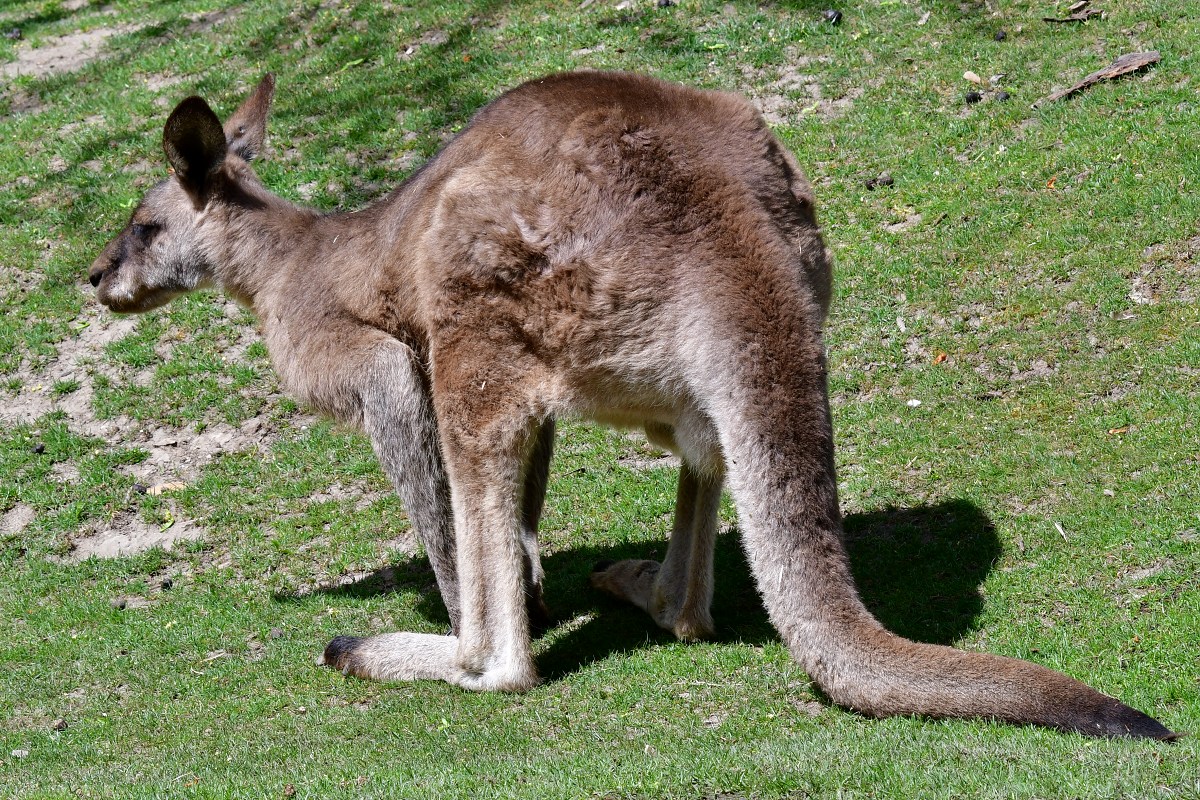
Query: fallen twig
1130 62
1079 13
1078 16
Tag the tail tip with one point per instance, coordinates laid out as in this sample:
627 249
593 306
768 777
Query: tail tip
339 651
1115 719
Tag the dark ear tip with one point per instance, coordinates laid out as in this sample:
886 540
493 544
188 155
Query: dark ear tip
192 112
267 86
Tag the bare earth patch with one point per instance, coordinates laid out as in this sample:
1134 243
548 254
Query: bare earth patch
1168 272
73 50
16 519
62 54
173 455
790 93
128 535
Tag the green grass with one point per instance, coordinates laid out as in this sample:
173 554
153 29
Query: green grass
1039 502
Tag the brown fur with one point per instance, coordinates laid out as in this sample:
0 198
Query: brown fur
595 244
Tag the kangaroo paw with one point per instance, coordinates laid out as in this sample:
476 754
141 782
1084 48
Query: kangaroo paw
339 652
693 626
638 582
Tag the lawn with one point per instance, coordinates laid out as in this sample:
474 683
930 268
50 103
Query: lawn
1014 354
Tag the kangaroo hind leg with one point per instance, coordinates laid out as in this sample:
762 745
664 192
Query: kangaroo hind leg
678 592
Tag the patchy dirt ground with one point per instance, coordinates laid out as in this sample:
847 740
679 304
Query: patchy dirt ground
128 534
74 50
173 455
791 93
61 54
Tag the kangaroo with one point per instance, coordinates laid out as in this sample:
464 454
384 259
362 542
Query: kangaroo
597 245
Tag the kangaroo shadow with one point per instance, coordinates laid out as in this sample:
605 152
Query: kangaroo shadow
918 570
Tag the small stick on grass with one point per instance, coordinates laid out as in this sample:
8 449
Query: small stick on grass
1130 62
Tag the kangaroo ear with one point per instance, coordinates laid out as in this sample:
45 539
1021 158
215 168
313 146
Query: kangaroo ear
246 130
194 144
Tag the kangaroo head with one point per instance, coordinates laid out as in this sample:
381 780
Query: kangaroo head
174 240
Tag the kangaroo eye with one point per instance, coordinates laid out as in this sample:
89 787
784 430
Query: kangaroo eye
143 232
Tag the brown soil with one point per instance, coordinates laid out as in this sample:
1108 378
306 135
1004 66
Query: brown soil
62 53
174 454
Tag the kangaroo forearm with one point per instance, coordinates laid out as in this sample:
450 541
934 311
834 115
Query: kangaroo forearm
398 417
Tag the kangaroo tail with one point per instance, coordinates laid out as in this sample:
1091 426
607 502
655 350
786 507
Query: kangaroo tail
773 420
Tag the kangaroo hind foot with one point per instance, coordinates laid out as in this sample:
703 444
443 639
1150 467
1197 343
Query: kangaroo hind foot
394 657
638 581
678 592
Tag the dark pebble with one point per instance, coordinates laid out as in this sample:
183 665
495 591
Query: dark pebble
832 16
973 97
665 3
59 724
167 584
39 448
1002 96
884 179
1000 36
13 34
140 488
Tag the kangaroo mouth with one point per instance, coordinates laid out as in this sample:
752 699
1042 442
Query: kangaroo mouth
127 302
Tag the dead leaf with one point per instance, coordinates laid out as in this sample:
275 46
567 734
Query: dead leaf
972 77
808 707
1130 62
160 488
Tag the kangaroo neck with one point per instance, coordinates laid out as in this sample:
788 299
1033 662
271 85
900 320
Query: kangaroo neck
260 239
349 264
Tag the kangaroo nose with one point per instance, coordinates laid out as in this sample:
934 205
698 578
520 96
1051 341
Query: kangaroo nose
95 276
